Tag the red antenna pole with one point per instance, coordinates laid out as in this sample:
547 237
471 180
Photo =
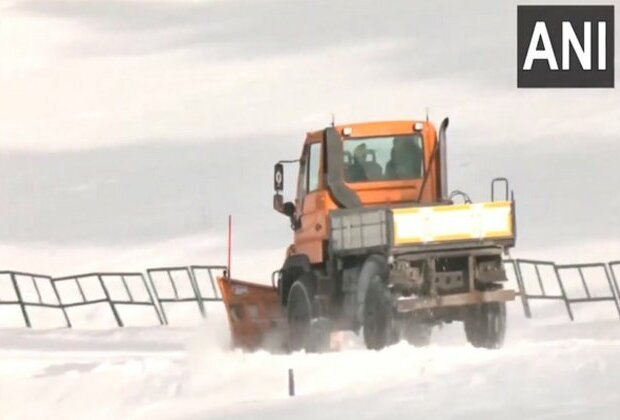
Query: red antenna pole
229 243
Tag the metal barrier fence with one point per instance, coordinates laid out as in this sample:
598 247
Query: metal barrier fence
567 290
102 283
19 299
569 284
542 292
112 290
183 286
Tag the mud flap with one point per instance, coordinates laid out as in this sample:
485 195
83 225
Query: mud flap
254 314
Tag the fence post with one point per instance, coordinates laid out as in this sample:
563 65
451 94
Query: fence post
215 294
611 265
107 295
20 300
60 304
564 296
523 292
164 318
611 279
194 283
151 299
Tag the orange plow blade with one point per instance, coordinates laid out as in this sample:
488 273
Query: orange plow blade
254 313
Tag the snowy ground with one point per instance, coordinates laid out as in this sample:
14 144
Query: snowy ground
550 369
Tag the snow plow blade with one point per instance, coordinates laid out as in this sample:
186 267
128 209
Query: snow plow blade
254 312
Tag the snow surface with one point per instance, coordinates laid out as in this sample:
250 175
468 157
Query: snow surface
549 368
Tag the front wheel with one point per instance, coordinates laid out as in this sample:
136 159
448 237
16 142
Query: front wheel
304 332
377 315
485 325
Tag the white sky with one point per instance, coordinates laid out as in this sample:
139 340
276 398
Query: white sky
80 81
74 75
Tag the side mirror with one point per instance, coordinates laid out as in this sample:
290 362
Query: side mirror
278 177
278 186
288 209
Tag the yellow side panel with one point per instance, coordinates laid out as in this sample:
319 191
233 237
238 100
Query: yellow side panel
453 223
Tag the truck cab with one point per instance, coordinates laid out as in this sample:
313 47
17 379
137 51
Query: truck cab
380 163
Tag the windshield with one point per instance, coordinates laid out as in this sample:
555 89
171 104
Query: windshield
383 158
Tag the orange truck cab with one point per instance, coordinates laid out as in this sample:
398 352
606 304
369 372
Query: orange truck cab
369 169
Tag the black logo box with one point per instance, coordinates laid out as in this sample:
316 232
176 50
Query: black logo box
540 75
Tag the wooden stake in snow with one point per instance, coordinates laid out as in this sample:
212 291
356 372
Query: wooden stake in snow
291 383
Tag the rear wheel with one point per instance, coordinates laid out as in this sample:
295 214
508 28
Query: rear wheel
377 315
485 325
304 330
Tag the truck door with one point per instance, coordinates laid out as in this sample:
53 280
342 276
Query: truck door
310 205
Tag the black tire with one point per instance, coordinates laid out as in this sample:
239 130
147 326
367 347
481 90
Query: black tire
304 330
417 333
377 311
299 316
485 325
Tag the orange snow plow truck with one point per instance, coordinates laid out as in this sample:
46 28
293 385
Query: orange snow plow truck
380 246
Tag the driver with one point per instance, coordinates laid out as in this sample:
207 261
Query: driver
406 159
357 170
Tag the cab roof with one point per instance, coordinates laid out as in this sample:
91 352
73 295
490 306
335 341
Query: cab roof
374 128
